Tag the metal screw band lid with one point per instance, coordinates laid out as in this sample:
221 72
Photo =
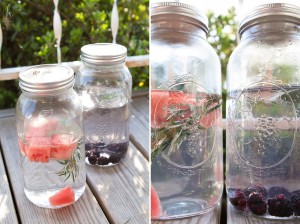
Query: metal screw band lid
180 9
103 54
45 79
270 12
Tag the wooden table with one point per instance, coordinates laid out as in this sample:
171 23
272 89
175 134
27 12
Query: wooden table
118 194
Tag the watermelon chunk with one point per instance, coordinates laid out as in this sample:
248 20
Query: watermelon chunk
162 100
65 196
155 204
38 149
62 146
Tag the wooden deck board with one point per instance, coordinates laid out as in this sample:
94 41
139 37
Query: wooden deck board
85 210
7 210
139 124
123 190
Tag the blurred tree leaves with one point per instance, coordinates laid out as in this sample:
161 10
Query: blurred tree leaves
223 36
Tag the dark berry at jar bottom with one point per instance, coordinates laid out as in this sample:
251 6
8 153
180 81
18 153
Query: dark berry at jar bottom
295 200
257 204
105 155
237 198
257 189
280 206
273 191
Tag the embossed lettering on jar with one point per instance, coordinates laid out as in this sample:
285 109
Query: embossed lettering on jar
263 172
186 133
104 85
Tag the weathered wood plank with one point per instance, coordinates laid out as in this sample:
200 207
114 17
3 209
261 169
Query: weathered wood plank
7 113
212 217
123 190
7 210
85 210
236 218
139 124
131 62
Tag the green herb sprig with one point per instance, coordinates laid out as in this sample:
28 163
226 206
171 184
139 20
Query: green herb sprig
71 166
183 119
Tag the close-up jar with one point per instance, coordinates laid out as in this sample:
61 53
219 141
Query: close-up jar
50 136
104 84
186 118
263 101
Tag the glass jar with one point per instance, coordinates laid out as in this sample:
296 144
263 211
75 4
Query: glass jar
49 127
263 171
186 131
104 84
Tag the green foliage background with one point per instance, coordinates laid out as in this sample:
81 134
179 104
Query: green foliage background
30 39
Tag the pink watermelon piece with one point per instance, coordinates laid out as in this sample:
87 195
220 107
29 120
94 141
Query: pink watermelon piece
161 100
64 196
155 204
62 146
38 149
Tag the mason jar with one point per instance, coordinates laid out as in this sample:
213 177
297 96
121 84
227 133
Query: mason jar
186 131
49 127
263 102
104 84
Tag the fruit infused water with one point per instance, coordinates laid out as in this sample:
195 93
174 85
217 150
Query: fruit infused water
263 156
50 136
186 171
51 160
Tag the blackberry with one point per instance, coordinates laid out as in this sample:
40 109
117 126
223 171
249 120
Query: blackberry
295 200
237 198
92 159
257 189
257 204
280 206
273 191
102 161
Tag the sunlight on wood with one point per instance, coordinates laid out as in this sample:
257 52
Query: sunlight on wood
3 208
138 164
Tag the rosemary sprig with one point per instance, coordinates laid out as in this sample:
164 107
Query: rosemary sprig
183 119
72 165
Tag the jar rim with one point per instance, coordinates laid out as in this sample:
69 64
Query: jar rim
191 13
46 78
270 12
103 53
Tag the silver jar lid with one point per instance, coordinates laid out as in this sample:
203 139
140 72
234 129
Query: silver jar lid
273 11
45 79
180 9
103 54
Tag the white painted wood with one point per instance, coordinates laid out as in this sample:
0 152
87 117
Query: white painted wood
114 23
131 62
57 27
